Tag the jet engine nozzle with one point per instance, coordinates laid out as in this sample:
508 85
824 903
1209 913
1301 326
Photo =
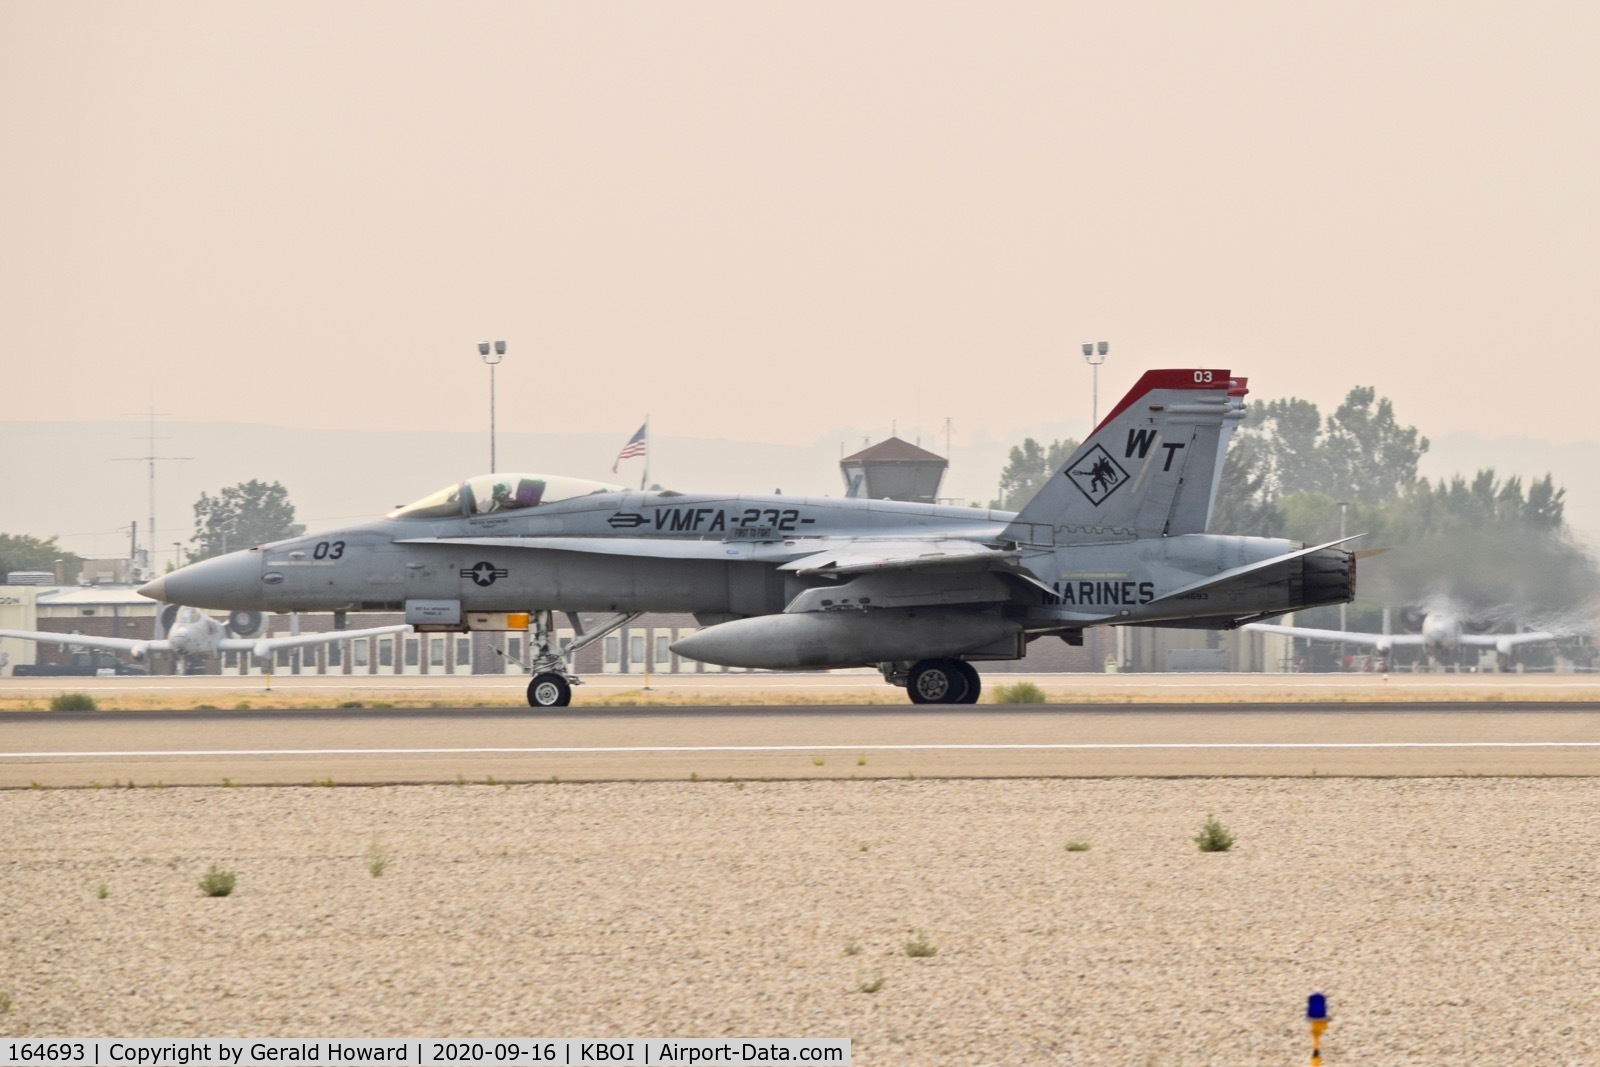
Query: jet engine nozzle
1327 577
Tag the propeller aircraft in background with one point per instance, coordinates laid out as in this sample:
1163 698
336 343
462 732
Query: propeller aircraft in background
1444 633
192 635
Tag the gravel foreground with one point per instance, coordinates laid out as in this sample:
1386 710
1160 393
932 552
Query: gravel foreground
1447 920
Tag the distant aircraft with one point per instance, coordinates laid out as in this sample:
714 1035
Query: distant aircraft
1441 632
193 635
1116 536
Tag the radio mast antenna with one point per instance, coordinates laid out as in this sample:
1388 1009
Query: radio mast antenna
152 459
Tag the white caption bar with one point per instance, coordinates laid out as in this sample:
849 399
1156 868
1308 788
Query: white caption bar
576 1052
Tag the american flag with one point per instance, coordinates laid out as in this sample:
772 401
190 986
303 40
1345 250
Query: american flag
634 447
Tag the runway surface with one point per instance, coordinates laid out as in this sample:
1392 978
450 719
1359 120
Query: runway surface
374 746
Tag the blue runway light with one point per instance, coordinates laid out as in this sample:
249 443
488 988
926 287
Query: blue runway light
1317 1012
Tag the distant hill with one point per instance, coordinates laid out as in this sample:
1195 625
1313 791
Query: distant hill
68 479
65 478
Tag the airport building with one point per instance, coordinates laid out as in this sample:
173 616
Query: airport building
106 604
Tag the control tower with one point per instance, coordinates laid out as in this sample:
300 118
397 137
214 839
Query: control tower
894 470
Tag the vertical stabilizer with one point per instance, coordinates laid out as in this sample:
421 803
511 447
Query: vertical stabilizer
1150 469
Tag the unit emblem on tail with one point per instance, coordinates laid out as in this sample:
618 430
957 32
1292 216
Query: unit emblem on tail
1097 475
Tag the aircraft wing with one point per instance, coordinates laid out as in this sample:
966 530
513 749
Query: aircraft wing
1349 637
110 644
265 646
815 555
855 557
1506 642
653 547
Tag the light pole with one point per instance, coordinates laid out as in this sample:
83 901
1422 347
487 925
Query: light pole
1344 505
1095 353
491 356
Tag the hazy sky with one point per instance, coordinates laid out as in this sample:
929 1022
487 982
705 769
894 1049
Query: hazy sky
766 221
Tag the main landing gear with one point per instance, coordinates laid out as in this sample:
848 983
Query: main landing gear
552 683
936 681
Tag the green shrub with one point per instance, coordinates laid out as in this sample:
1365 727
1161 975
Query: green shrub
72 702
377 858
872 986
217 882
1078 844
1213 836
1020 693
920 947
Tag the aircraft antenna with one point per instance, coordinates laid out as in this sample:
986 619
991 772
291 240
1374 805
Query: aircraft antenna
152 459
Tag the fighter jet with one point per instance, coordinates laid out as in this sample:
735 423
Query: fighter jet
193 635
1443 632
1116 536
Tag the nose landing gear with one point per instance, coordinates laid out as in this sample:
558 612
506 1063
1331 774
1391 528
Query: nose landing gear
552 682
549 690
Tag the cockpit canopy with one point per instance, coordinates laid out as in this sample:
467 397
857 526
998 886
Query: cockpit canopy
492 493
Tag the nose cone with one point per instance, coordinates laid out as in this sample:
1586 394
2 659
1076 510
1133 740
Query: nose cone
225 582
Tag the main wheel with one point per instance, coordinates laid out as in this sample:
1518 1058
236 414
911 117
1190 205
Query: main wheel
938 681
549 691
974 683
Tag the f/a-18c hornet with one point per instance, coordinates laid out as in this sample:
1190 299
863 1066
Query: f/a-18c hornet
1115 537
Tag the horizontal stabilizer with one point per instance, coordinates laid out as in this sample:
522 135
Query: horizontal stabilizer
1250 568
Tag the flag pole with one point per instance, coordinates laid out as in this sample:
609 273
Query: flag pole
645 477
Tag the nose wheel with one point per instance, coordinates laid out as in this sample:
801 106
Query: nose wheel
549 691
552 682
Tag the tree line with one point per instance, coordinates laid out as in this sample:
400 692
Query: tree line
1484 541
239 516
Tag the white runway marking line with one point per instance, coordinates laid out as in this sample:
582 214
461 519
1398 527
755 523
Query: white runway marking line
636 750
1088 687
